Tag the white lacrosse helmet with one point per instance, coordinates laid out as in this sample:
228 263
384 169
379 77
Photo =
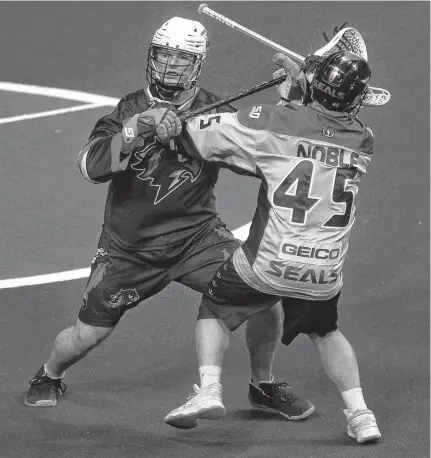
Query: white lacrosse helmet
176 54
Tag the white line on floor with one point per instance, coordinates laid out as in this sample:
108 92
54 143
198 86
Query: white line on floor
241 233
66 94
44 114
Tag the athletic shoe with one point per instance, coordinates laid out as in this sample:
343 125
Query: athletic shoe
362 425
44 390
280 398
205 403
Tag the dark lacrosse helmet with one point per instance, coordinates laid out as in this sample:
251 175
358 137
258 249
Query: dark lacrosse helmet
341 81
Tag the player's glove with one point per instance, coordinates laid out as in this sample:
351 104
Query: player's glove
160 121
287 65
168 125
294 76
284 87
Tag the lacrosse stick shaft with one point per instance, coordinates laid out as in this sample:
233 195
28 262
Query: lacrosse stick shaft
204 9
260 87
382 99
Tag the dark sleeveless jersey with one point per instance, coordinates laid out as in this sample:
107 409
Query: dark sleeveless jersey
162 197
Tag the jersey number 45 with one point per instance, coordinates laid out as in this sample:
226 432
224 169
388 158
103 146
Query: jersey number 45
301 202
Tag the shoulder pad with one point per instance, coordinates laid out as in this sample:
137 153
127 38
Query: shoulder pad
273 118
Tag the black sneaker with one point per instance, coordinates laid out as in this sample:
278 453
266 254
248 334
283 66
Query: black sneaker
279 397
44 390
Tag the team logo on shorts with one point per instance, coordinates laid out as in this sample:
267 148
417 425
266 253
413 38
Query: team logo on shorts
225 233
124 297
100 255
99 265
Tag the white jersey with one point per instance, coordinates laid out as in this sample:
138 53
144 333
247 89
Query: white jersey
310 164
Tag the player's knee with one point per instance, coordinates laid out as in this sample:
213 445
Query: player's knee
317 338
264 327
87 336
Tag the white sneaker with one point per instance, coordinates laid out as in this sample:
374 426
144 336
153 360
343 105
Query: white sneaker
205 403
362 425
347 39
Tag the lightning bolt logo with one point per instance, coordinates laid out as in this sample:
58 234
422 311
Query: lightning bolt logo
147 163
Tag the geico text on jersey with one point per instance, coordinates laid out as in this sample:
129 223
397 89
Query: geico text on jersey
310 251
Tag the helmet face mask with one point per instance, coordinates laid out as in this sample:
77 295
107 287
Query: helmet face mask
176 55
340 82
173 69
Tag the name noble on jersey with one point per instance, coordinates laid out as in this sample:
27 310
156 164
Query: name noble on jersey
329 155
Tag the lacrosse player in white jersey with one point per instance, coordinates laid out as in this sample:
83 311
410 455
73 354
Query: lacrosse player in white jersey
311 160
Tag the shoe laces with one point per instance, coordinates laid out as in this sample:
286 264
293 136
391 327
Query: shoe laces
366 419
282 390
45 380
192 395
213 390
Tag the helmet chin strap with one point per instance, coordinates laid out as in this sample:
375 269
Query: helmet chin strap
168 92
176 95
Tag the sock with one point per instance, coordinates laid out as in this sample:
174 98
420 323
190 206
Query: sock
51 375
354 399
256 384
209 375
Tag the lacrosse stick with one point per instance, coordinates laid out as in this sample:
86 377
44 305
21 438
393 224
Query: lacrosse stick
260 87
375 96
204 9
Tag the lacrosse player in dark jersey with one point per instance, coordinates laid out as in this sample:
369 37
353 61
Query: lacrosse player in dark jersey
160 222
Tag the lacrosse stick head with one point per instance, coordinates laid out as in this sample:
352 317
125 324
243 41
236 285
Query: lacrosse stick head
347 39
176 54
376 96
341 82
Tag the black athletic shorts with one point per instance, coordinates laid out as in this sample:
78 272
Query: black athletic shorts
232 300
120 280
